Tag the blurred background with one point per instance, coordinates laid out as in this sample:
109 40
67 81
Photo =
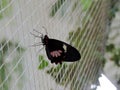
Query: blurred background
92 26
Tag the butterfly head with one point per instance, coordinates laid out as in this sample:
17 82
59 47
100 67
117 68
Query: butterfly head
45 40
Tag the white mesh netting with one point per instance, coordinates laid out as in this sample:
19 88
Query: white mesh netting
82 23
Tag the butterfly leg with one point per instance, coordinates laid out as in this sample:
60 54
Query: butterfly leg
52 61
56 62
60 62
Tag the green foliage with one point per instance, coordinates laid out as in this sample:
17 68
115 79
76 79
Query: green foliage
110 47
55 72
116 57
3 4
43 62
2 73
5 49
86 4
103 61
56 7
115 53
113 9
58 73
101 57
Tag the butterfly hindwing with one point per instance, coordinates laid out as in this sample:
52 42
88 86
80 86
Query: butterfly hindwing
58 51
71 54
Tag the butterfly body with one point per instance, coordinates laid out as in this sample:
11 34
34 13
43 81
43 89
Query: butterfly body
58 51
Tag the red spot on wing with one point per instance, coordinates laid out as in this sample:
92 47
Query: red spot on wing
56 53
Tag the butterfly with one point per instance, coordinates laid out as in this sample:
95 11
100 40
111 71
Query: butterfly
58 51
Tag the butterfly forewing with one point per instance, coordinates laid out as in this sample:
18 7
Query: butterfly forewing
58 51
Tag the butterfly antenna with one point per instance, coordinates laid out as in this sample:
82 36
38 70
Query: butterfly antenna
36 44
45 30
37 31
35 35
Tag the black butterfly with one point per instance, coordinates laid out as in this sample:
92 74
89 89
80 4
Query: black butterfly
58 51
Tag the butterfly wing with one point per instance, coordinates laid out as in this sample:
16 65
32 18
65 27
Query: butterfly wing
71 54
58 51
